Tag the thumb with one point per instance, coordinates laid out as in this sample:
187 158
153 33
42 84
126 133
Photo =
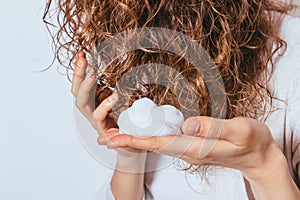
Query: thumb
191 126
204 126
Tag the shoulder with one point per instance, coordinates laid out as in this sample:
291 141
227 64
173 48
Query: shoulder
289 31
287 66
285 82
286 77
290 27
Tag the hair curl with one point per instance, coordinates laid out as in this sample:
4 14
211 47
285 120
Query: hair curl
241 37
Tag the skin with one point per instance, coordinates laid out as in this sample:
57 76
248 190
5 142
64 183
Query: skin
123 180
240 143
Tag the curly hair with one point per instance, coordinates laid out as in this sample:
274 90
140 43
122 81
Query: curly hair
241 37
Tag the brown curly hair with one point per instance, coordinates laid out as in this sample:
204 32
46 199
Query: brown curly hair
240 36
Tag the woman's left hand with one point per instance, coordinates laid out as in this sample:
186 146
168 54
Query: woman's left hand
239 143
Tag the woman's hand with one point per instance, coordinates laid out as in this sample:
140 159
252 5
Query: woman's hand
83 86
128 179
240 143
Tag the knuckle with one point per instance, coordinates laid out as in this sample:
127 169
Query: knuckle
79 76
99 140
96 115
79 104
105 135
246 127
73 91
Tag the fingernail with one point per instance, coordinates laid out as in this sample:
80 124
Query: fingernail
195 126
81 54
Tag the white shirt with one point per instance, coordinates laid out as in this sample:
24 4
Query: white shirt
224 183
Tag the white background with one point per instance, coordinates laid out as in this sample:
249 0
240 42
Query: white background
41 157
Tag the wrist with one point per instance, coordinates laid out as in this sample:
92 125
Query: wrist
271 179
131 162
272 165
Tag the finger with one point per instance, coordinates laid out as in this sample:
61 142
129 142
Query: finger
111 130
106 136
177 146
198 163
101 112
230 129
84 93
154 144
79 72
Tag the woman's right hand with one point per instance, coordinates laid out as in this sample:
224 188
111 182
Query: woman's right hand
83 85
123 185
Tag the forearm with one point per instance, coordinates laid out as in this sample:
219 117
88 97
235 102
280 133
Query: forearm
279 189
274 182
128 179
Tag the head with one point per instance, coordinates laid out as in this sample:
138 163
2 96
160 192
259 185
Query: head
241 37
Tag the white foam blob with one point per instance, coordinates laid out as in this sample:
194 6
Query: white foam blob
145 118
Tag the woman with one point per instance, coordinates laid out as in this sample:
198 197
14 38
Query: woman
244 40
